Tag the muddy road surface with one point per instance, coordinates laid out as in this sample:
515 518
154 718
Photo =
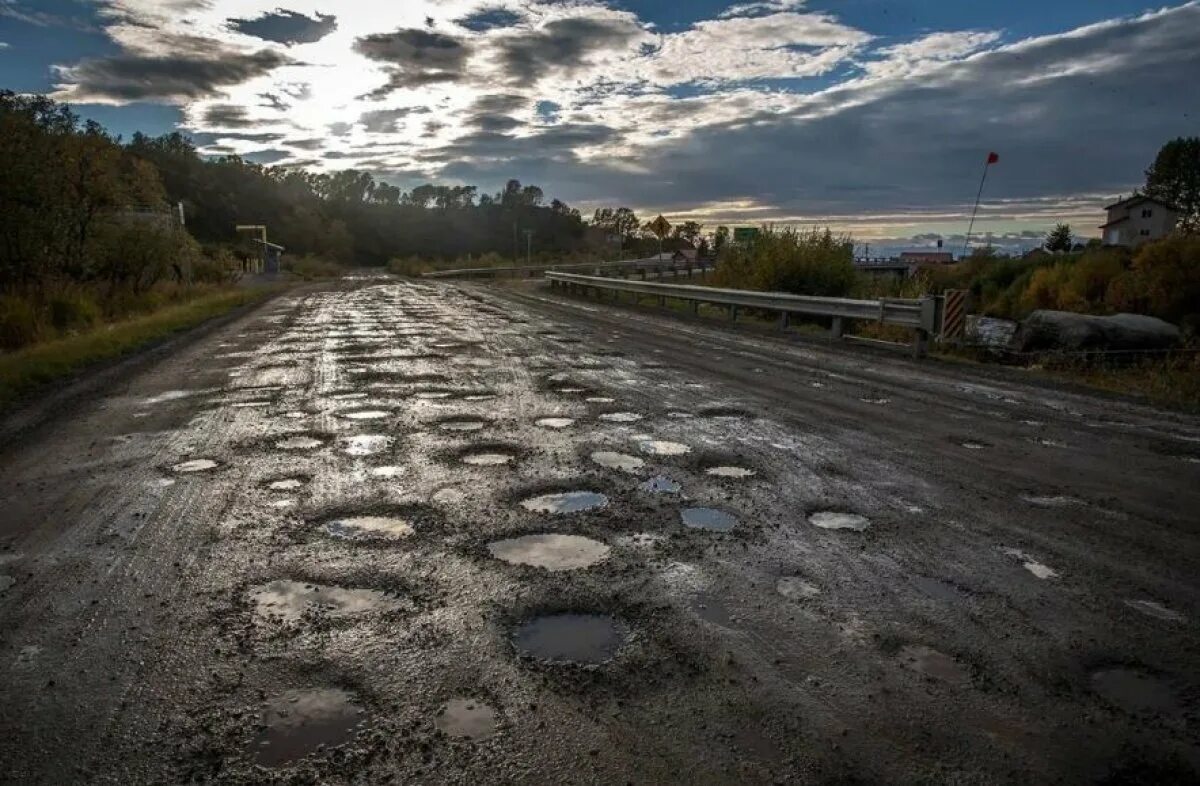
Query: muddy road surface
405 533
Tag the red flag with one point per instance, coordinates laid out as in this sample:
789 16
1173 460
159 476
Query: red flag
993 158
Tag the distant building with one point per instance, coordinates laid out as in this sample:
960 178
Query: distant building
927 257
685 255
1137 220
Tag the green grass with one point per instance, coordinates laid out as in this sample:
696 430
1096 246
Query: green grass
27 369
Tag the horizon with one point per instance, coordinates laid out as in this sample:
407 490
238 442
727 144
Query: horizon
692 113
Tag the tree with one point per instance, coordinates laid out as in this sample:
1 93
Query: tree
1058 240
1174 178
720 239
689 232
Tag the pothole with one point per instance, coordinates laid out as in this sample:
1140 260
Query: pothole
1157 610
370 528
621 461
288 601
462 423
708 519
365 444
931 663
658 447
195 465
285 484
365 414
563 639
550 551
299 723
555 423
660 484
1033 566
796 588
1134 691
828 519
299 442
467 719
487 458
938 589
565 502
389 471
730 472
969 445
621 417
600 400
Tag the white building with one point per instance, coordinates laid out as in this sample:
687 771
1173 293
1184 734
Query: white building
1137 220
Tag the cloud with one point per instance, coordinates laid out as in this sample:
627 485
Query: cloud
286 27
227 116
199 69
565 45
415 57
383 121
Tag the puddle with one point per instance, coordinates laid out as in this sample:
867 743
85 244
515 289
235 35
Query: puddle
284 503
488 459
462 424
796 588
466 719
1153 609
287 484
710 609
161 483
660 484
348 396
708 518
585 639
365 414
195 465
620 461
365 444
938 589
658 447
250 404
1134 691
299 443
931 663
1032 565
550 551
621 417
730 472
289 601
600 400
299 723
433 395
555 423
832 520
370 528
565 502
1051 502
387 472
974 445
876 401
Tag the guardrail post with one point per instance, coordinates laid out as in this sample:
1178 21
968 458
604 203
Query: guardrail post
837 328
696 307
785 320
662 301
920 344
733 312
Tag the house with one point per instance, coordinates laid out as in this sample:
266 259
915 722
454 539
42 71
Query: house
1137 220
686 256
927 257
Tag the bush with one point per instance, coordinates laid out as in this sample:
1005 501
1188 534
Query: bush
72 309
18 322
311 266
217 266
802 262
1164 280
410 266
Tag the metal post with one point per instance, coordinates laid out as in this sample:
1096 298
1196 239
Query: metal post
837 328
733 312
785 320
920 344
696 307
662 301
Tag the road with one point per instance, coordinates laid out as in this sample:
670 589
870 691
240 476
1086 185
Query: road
456 533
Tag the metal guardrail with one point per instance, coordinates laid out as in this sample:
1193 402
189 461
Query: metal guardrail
919 315
533 271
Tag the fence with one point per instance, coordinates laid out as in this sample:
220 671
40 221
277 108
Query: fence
920 315
624 267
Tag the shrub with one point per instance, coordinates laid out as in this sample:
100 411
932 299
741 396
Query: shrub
408 266
72 309
1164 280
18 322
803 262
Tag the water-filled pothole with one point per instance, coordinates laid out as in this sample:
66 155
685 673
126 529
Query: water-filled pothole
565 502
1154 609
661 484
299 723
659 447
621 417
1134 691
730 472
931 663
365 444
366 414
622 461
387 472
796 588
285 484
467 719
828 519
370 528
289 601
487 458
583 639
299 442
555 423
708 518
195 465
462 423
550 551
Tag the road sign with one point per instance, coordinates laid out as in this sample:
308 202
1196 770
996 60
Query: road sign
743 235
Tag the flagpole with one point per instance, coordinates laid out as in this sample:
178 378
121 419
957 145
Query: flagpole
975 211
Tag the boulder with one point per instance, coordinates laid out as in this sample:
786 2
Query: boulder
1069 332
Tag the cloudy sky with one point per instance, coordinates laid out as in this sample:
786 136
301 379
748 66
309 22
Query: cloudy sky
871 115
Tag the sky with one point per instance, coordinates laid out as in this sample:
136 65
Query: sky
873 117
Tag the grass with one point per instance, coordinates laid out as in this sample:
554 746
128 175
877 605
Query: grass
1173 381
26 370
